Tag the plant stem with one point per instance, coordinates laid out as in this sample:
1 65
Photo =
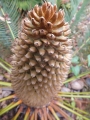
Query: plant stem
7 98
3 66
8 25
4 110
77 77
53 112
74 96
78 110
18 113
27 114
72 111
5 83
84 43
5 62
75 93
9 107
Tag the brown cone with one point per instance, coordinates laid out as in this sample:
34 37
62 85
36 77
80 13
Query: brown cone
42 55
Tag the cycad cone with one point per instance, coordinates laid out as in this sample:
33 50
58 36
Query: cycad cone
42 55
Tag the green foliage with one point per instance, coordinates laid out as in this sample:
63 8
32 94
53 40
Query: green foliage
88 57
72 11
73 103
85 44
80 12
27 4
75 70
76 14
75 60
9 23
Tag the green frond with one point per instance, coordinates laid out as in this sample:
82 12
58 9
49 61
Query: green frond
85 45
72 10
80 12
8 22
4 66
27 4
9 107
5 84
71 110
7 98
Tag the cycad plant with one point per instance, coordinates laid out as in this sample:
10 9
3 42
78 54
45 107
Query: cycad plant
41 62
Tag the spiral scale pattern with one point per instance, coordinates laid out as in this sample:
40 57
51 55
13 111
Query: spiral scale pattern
41 55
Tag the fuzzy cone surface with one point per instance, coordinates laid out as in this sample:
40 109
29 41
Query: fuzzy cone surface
41 55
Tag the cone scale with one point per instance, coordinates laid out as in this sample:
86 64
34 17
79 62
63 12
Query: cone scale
41 55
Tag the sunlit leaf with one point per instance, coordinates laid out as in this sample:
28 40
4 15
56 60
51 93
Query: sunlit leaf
75 70
88 57
75 60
